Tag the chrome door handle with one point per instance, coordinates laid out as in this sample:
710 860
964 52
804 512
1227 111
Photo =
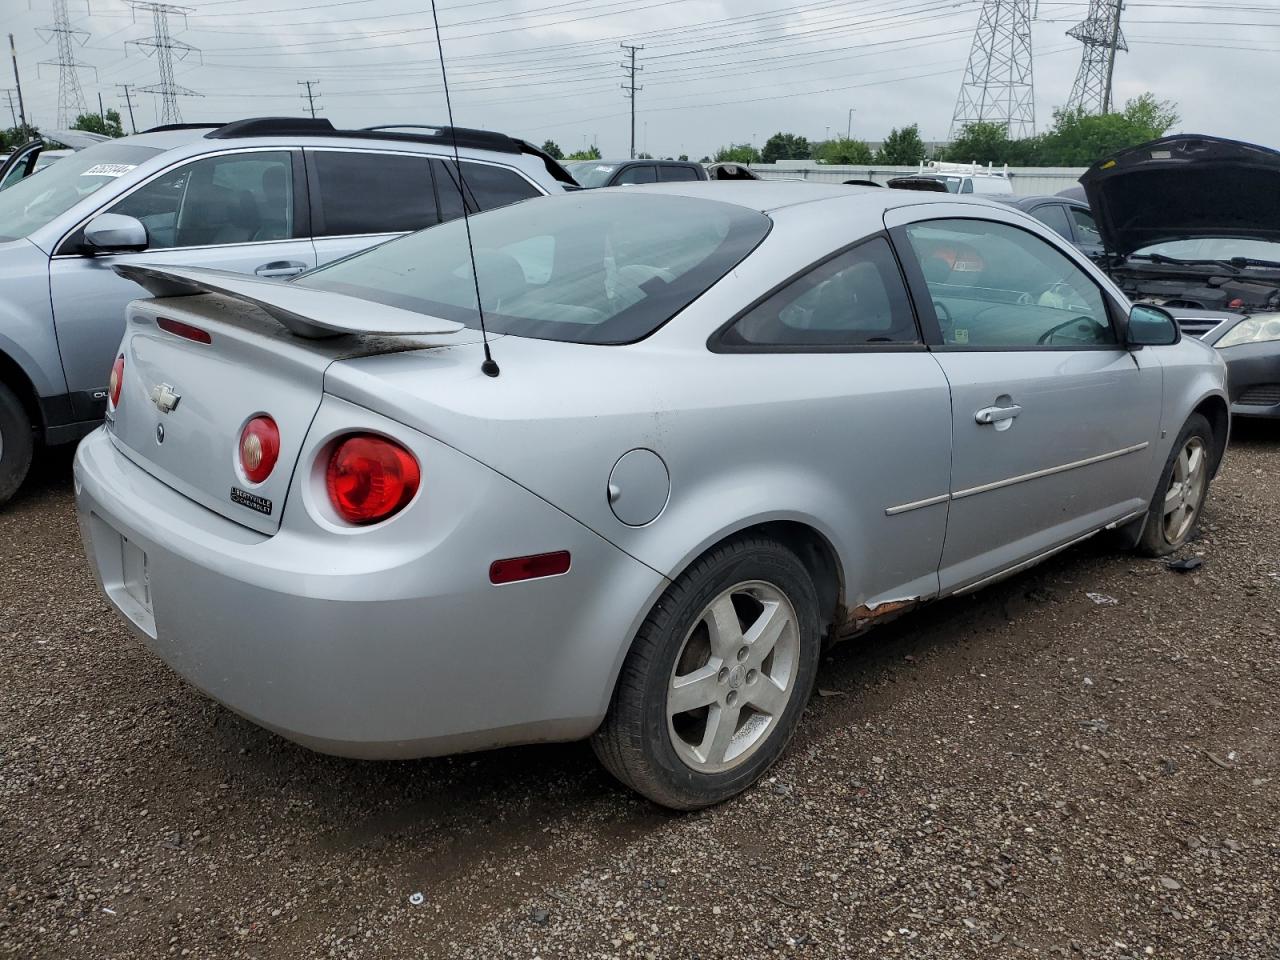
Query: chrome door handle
281 268
997 414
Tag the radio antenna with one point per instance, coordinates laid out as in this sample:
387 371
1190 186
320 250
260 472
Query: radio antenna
489 368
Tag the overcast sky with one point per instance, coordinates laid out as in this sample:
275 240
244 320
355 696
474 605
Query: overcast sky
714 71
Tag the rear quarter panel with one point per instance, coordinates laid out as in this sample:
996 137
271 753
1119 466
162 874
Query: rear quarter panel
746 438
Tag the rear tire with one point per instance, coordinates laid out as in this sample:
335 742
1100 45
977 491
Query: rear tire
717 679
1175 509
16 444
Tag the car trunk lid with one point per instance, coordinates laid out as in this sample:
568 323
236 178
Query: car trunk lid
199 367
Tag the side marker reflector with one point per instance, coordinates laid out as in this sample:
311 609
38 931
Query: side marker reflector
529 568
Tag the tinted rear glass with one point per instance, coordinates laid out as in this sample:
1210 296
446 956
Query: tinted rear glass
583 267
358 193
488 186
670 174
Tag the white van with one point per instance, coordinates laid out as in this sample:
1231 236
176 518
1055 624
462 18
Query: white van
968 177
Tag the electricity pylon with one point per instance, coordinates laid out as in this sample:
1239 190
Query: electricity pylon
1100 33
164 48
998 85
71 103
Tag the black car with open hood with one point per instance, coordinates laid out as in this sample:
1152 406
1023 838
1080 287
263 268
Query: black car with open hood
1192 223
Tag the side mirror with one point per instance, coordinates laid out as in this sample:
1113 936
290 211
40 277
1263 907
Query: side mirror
114 233
1150 326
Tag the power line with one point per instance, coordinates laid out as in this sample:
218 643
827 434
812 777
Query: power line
71 102
629 87
163 47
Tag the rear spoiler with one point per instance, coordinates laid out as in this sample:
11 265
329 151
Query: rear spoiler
304 312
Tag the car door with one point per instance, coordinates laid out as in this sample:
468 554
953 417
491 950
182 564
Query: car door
20 164
1054 422
877 407
360 197
240 210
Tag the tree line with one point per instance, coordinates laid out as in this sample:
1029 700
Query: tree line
108 124
1076 139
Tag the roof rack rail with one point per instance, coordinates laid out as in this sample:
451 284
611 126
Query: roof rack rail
181 126
407 132
272 127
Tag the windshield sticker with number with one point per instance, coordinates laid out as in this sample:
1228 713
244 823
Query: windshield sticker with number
108 170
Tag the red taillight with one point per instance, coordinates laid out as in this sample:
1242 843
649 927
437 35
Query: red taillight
259 448
186 330
370 478
116 383
529 568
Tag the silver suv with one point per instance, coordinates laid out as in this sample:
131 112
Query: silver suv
271 197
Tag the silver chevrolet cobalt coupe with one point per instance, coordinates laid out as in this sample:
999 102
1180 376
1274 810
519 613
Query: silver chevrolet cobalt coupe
732 422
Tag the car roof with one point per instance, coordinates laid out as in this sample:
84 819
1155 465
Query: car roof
1024 202
618 163
768 195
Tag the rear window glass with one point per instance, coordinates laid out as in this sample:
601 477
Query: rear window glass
675 174
582 267
357 193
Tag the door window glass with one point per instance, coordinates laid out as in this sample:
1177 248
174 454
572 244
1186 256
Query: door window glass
358 193
674 174
994 285
1054 217
640 173
1086 227
236 198
855 298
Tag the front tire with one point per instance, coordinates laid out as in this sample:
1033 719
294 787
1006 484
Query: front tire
1175 509
715 683
16 444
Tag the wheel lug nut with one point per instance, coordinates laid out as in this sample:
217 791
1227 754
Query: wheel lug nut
742 653
751 676
731 698
723 675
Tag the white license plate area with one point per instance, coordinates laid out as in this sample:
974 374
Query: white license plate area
125 572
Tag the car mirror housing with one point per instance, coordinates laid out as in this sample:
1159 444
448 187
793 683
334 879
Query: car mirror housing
114 233
1150 326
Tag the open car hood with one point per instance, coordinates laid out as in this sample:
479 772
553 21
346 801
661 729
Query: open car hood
1182 188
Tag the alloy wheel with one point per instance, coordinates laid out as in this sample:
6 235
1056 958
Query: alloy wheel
1186 489
734 676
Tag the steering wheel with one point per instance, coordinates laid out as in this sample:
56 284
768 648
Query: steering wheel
944 316
1048 334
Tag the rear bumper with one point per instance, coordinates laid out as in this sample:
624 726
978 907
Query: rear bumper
1253 379
383 643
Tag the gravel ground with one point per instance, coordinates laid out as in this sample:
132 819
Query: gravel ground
1019 773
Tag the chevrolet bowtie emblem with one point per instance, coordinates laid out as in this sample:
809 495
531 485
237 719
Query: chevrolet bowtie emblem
164 397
